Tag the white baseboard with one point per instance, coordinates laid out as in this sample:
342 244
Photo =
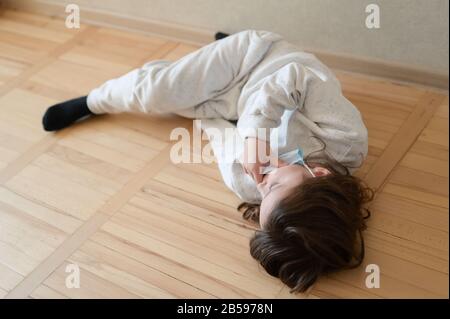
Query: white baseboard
197 36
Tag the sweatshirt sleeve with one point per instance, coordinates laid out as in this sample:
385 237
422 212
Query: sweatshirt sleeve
280 91
332 117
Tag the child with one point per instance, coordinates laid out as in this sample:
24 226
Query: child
311 215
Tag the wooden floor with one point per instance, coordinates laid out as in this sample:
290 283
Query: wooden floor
104 195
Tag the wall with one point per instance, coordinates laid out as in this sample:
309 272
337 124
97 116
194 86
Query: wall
413 32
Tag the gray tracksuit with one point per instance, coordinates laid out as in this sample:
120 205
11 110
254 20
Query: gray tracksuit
256 78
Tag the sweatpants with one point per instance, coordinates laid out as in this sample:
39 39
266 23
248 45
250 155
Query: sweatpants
203 84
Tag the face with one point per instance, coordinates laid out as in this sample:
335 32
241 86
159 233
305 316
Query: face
279 183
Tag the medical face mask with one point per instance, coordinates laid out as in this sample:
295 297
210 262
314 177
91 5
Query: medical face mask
292 157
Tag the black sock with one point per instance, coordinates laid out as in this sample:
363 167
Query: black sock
220 35
62 115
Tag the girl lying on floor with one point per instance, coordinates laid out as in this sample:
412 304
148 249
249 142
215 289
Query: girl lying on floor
310 209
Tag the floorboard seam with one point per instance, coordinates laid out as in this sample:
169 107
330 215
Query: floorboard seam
71 244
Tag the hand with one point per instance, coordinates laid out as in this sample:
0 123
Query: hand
256 155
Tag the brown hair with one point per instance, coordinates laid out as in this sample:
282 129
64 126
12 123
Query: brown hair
316 230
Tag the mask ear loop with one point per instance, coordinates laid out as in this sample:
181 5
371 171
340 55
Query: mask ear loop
302 162
309 170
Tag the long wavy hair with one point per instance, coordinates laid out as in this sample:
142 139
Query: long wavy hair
317 229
